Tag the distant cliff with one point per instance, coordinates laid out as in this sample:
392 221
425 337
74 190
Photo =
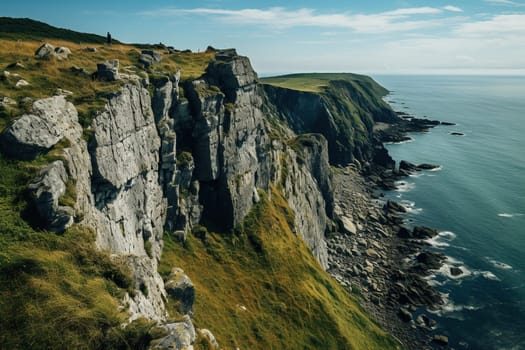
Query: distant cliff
170 157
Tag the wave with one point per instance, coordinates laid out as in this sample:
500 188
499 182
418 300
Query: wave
410 139
439 168
403 186
442 239
508 215
498 264
410 207
451 310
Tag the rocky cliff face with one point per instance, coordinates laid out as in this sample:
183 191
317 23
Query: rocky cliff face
168 162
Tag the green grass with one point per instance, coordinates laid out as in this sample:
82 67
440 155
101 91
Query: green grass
260 288
57 291
316 82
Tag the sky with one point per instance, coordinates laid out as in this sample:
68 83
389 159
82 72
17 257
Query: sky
369 37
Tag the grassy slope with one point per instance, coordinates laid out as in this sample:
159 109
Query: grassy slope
316 82
45 76
260 288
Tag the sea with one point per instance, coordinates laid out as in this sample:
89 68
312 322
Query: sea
476 199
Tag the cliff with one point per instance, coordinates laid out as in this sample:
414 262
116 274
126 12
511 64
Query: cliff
154 162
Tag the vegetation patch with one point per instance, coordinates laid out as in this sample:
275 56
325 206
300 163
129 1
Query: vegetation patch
259 287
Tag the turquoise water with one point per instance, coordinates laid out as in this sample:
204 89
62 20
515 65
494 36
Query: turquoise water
477 199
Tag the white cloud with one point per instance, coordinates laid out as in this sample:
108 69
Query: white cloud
504 2
404 19
452 8
500 26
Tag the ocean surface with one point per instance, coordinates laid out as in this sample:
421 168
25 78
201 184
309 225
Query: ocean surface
476 199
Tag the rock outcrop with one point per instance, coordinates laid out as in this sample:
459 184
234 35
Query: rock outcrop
48 51
51 119
46 190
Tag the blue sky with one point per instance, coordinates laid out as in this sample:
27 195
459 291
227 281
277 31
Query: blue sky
371 37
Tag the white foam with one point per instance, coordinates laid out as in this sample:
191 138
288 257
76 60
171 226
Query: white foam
403 186
451 310
442 239
400 142
488 275
439 168
410 207
498 264
508 215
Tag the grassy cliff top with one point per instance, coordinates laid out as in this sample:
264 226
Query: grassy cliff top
20 38
317 82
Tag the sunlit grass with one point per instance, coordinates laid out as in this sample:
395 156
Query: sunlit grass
260 288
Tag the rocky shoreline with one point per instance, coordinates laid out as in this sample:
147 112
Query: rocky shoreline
378 257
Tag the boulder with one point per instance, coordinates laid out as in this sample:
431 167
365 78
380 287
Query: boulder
206 334
46 191
404 315
108 70
181 336
426 166
61 53
430 260
21 83
440 340
45 51
32 134
456 271
347 225
149 58
181 288
48 51
423 232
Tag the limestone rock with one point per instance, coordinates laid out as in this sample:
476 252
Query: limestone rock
108 70
46 190
181 288
48 51
348 225
181 336
21 83
52 118
149 58
206 334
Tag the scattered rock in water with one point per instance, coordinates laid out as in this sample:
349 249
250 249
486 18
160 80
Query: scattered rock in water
447 123
457 133
423 232
395 207
456 271
430 260
426 166
440 340
404 315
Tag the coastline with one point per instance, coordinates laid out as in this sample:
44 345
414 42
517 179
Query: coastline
378 257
